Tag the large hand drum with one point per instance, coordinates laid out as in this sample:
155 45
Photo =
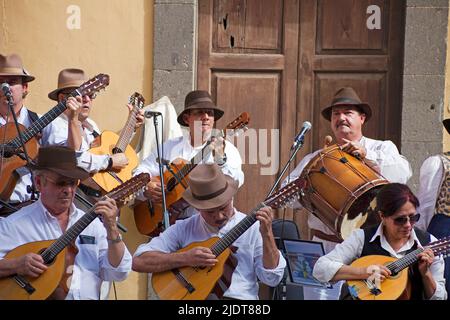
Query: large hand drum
340 189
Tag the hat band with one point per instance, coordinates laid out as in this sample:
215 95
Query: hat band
346 100
13 70
198 100
211 195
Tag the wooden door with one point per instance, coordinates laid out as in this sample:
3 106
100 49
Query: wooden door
247 53
283 60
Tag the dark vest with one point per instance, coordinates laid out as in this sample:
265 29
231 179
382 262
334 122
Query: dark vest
374 248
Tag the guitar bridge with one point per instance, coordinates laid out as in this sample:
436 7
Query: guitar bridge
24 284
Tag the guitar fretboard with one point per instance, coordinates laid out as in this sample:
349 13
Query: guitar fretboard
231 236
70 235
40 124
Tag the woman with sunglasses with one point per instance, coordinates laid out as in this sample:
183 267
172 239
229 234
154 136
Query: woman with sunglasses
395 236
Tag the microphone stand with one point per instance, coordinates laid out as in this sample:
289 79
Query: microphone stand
25 156
293 153
161 175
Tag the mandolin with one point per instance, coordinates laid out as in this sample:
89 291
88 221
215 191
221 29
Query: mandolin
397 286
149 215
110 143
11 153
188 283
53 252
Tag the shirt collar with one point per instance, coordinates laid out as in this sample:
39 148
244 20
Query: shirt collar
385 244
48 215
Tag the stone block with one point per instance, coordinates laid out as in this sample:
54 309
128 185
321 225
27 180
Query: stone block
428 3
174 84
425 41
423 104
174 37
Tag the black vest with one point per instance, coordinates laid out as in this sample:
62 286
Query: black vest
374 248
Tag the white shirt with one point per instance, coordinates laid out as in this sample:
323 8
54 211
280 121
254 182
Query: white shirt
181 147
430 182
349 250
244 283
20 193
35 223
86 160
393 166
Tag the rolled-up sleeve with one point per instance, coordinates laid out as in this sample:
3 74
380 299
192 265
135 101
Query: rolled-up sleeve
393 165
271 277
119 273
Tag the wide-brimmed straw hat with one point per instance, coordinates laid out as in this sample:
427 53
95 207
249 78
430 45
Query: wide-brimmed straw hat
347 97
68 78
12 66
209 188
199 99
60 160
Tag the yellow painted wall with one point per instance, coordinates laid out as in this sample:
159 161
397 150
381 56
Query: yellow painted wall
115 37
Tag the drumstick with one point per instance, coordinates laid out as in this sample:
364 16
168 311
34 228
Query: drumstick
328 140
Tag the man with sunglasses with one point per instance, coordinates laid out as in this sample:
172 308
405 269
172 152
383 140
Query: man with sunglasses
198 116
13 74
434 196
98 253
394 237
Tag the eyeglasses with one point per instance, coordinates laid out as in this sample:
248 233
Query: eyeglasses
413 218
63 183
12 82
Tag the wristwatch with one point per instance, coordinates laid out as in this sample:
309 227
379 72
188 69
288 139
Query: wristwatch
116 240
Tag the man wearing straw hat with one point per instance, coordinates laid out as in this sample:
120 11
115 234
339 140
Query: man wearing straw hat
434 198
101 255
78 130
14 76
211 193
347 115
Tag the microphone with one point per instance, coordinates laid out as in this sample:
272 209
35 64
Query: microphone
6 90
149 114
301 135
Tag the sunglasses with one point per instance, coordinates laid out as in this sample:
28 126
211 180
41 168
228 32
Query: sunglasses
413 218
198 112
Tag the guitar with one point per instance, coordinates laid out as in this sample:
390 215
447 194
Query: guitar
148 215
10 152
110 143
188 283
397 286
53 252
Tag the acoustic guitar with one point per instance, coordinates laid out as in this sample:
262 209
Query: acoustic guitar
148 215
11 153
53 252
188 283
110 143
397 286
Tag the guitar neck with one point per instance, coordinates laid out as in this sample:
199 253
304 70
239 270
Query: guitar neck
39 124
127 131
188 167
69 236
231 236
402 263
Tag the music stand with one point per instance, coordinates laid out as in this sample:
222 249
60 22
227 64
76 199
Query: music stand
301 256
